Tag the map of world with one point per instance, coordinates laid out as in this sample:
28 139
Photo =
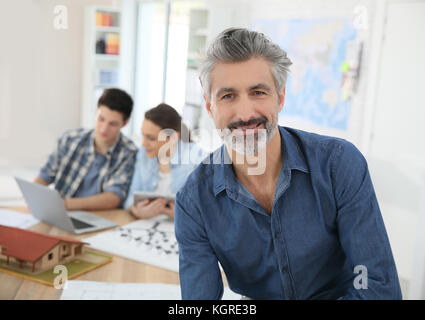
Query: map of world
318 50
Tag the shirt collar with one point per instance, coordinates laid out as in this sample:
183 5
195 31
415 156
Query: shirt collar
292 156
224 176
91 149
114 145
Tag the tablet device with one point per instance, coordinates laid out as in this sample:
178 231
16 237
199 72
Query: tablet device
146 195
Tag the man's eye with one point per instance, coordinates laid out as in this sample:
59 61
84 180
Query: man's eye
227 96
259 93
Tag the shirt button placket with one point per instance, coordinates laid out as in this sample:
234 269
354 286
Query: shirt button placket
279 252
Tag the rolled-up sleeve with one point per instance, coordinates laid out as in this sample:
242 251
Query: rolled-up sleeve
361 228
200 276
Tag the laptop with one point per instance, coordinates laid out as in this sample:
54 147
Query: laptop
46 205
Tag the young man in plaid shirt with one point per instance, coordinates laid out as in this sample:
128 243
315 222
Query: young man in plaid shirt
92 169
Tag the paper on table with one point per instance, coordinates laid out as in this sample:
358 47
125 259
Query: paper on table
8 203
149 241
93 290
16 219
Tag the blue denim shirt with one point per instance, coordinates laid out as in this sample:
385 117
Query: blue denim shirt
325 221
146 172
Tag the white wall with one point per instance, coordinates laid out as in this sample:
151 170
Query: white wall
397 147
40 77
243 13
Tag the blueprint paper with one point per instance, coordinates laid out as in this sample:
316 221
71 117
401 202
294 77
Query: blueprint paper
150 241
93 290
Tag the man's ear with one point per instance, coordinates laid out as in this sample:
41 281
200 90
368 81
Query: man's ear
207 104
282 98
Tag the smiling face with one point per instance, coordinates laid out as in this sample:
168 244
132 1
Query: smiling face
152 141
244 104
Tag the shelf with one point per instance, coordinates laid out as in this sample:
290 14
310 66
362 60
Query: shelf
107 57
108 9
108 29
100 70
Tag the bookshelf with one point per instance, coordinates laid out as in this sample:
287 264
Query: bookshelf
198 35
101 57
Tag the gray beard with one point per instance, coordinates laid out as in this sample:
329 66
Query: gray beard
251 143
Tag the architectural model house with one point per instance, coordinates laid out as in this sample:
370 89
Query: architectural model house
35 251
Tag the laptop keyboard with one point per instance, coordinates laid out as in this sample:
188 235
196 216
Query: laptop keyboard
78 224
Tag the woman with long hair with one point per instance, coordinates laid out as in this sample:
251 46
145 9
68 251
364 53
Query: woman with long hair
164 161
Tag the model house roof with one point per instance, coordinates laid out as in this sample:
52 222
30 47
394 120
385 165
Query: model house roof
28 245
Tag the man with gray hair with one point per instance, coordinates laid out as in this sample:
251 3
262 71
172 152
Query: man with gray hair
308 226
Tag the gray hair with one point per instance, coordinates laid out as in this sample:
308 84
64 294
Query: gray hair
239 44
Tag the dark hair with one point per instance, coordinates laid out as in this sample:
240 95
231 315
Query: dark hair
166 117
117 100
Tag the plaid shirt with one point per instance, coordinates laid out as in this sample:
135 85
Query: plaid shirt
69 163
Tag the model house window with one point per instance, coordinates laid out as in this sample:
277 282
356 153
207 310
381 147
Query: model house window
50 256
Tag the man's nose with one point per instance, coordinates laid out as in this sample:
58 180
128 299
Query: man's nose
245 108
104 127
